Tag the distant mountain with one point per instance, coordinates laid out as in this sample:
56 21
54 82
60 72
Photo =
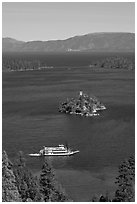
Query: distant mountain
10 44
94 42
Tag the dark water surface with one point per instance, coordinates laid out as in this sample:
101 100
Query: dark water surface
31 120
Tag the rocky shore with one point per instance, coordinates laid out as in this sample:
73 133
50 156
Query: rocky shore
83 105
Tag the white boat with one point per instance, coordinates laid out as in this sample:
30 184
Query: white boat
60 150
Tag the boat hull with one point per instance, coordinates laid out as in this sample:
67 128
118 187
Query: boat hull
51 154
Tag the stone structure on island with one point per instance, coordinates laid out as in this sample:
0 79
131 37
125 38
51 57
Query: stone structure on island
83 105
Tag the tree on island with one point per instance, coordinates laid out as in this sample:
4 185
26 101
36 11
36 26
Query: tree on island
83 105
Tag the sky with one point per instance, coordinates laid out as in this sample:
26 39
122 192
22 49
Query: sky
61 20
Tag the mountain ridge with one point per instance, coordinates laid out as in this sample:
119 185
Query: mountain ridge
92 42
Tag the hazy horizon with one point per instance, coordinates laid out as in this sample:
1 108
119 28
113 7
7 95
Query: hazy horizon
46 21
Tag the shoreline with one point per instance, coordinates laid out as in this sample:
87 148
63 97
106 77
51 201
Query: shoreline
71 68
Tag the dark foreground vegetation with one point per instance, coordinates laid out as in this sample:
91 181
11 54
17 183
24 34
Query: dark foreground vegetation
20 185
125 184
31 61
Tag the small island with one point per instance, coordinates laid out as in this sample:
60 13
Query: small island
83 105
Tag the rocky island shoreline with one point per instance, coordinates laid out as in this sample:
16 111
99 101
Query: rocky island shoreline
83 105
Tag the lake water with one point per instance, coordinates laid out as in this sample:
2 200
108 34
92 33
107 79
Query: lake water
31 120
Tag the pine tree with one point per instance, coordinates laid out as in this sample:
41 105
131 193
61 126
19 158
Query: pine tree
27 184
126 181
49 186
9 189
46 181
59 194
